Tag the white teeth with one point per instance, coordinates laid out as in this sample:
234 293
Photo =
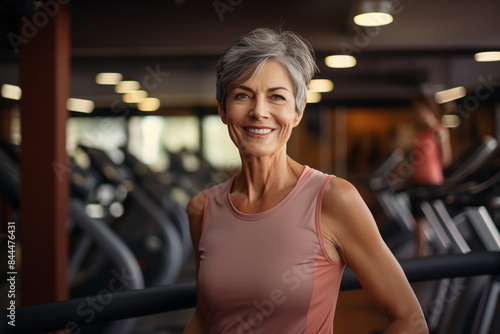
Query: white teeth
259 131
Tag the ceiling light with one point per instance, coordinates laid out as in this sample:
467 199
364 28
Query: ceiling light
80 105
340 61
450 94
320 86
313 97
487 56
373 13
108 78
11 92
373 19
450 121
149 104
127 86
135 96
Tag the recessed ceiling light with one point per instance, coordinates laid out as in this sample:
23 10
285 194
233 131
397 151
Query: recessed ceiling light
313 97
320 86
375 19
450 94
450 121
340 61
487 56
11 92
127 86
108 78
149 104
80 105
135 96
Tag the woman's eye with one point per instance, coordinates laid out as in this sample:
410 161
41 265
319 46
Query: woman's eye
278 97
241 96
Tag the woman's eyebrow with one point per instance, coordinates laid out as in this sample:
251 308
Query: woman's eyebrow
243 87
272 89
277 88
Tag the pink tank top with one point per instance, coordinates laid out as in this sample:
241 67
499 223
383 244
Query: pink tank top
426 159
268 272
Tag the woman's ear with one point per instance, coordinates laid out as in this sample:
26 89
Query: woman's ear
298 116
222 113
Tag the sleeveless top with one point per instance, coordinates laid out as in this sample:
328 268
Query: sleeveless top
268 272
426 159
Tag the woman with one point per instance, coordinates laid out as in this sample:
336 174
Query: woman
272 242
431 153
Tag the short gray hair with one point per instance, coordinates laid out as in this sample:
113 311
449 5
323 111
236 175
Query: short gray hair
252 51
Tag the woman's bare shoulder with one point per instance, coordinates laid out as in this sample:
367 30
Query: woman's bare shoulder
196 204
195 211
344 209
339 191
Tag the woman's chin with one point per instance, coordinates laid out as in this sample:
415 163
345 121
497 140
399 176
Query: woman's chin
252 154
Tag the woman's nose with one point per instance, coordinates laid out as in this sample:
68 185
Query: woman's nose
260 108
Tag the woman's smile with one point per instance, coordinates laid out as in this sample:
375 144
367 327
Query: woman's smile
257 131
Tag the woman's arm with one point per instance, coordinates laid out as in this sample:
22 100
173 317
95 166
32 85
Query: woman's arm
349 223
443 139
200 322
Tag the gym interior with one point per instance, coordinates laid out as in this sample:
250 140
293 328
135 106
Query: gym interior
109 125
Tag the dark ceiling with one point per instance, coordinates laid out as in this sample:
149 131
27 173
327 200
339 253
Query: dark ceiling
431 43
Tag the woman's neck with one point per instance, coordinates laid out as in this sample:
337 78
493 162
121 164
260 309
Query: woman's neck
261 175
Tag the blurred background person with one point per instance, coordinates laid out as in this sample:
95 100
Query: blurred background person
431 154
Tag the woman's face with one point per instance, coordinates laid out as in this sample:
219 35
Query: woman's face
260 112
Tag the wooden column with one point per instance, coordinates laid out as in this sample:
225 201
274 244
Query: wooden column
44 76
5 134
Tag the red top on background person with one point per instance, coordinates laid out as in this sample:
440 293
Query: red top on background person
432 151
